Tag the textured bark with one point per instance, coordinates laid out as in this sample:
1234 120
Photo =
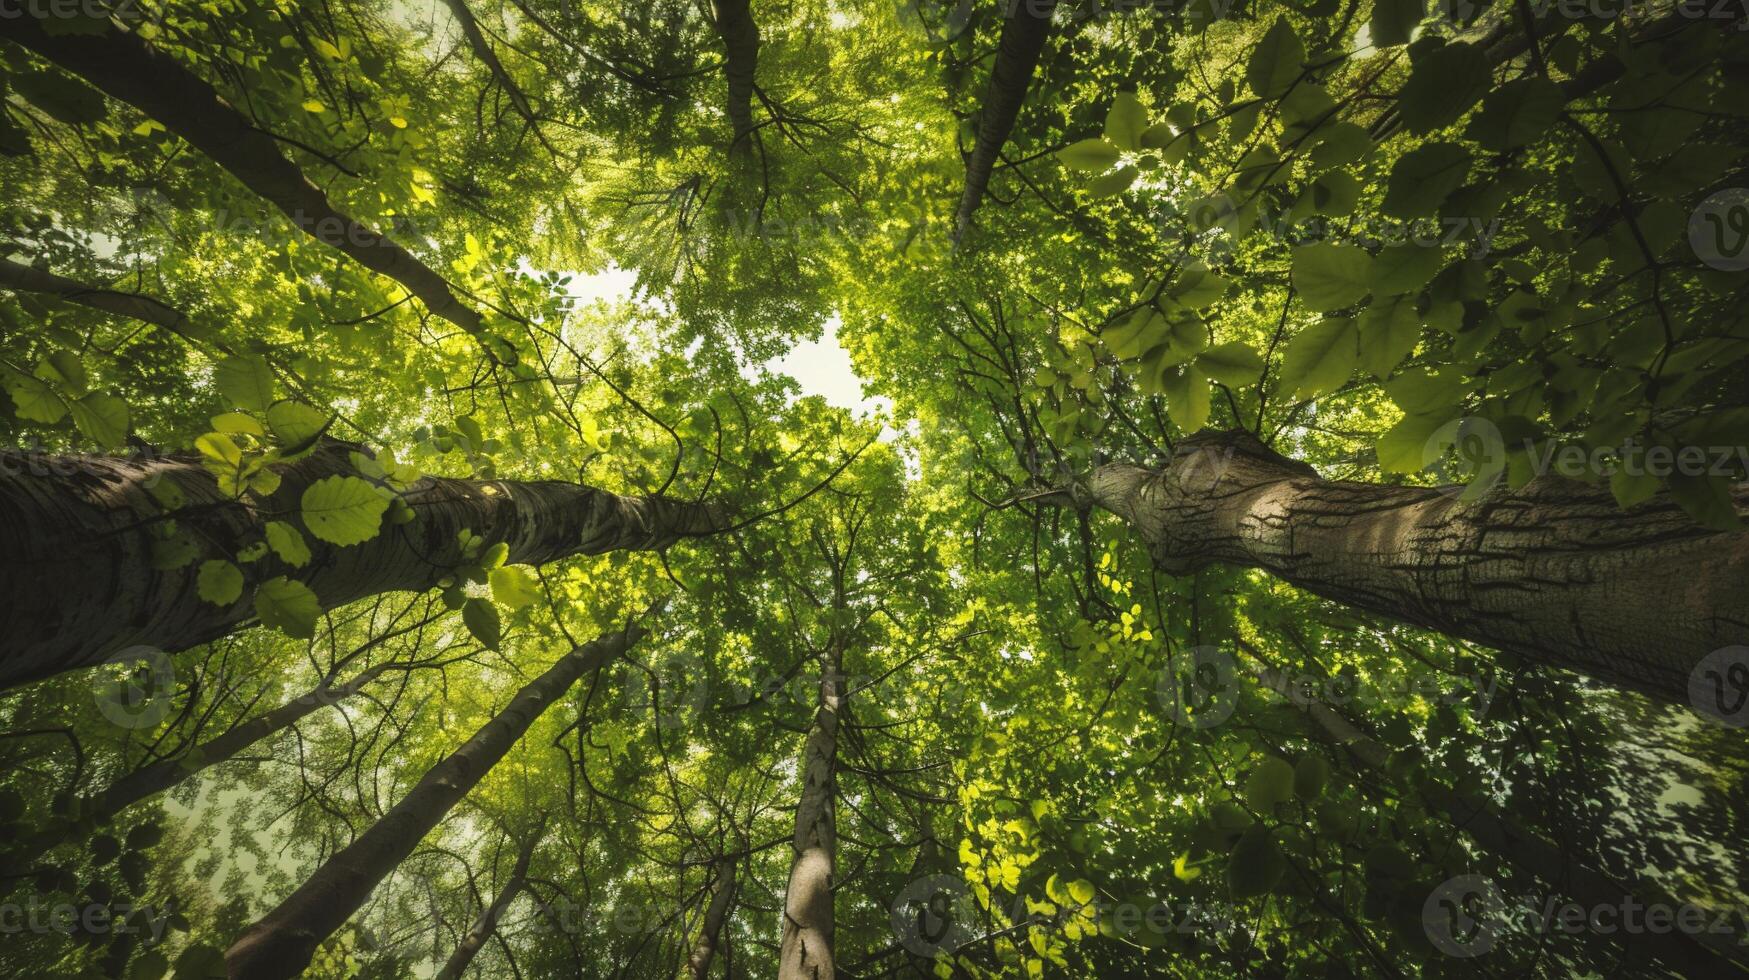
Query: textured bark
1554 572
129 70
280 944
24 278
76 538
710 931
1023 39
1694 954
734 23
158 777
487 923
806 951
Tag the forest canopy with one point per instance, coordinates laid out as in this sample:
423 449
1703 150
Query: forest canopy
1280 513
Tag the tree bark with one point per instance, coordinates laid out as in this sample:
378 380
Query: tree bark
734 23
1017 54
704 950
77 536
806 950
24 278
127 69
487 923
279 945
1694 954
1555 572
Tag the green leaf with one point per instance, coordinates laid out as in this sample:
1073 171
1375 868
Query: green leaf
35 401
288 543
1255 865
219 582
1089 156
481 618
1330 277
1403 448
1116 182
287 606
1516 114
1311 772
1232 364
1423 178
1187 398
1081 891
1275 62
236 423
1340 144
512 586
296 426
1125 121
246 380
1394 20
1445 82
1706 499
343 510
1403 268
64 368
1389 332
103 418
1632 485
1319 358
1270 783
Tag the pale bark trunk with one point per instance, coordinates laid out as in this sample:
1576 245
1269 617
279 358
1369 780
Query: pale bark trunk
487 923
1693 954
76 536
704 950
806 951
1554 572
280 944
127 69
1017 54
735 25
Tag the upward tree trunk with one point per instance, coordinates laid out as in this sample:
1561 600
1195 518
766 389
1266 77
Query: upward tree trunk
710 931
127 69
487 923
1023 39
281 943
77 537
806 951
1555 572
1694 954
482 49
734 22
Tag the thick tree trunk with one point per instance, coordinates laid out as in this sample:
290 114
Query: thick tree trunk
24 278
127 69
487 923
734 23
1554 572
77 536
710 931
1696 954
1017 54
280 944
806 951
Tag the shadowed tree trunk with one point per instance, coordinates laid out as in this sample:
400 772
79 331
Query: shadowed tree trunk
280 944
1695 954
806 952
1555 572
1023 38
710 931
24 278
734 23
77 536
487 923
127 69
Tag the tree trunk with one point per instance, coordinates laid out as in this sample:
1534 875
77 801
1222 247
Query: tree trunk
734 23
704 951
482 49
487 923
129 70
77 536
1697 954
1023 39
24 278
1555 572
806 952
280 944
